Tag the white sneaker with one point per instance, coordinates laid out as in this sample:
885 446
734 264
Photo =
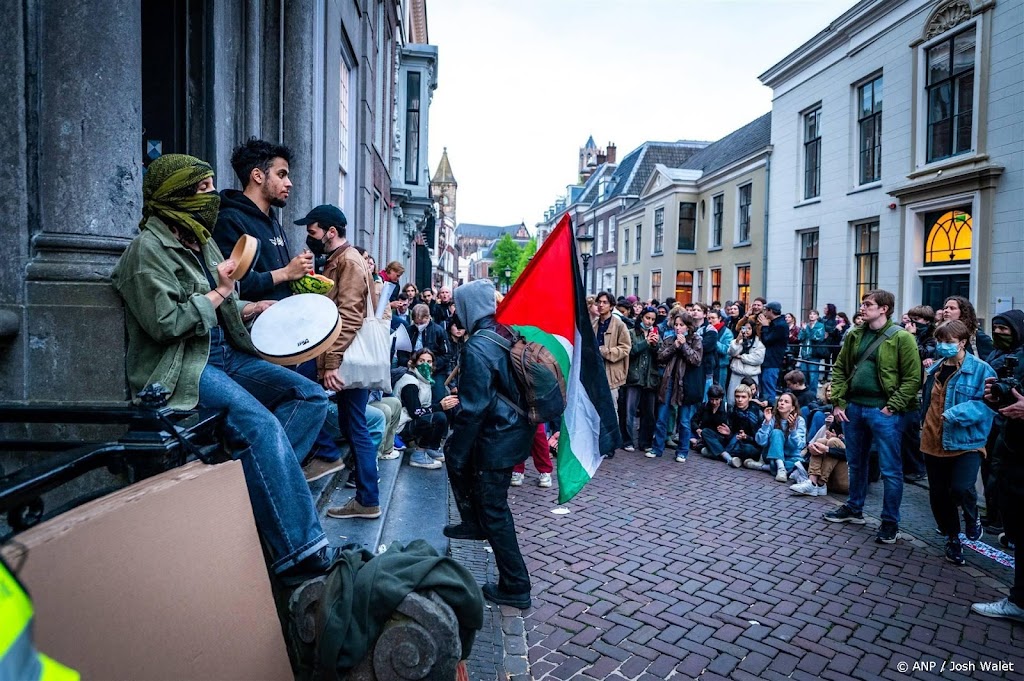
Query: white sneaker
629 448
680 458
806 487
781 474
545 480
650 454
1004 609
517 479
752 464
736 462
390 456
726 456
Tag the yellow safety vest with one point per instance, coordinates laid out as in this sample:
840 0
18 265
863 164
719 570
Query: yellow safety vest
19 660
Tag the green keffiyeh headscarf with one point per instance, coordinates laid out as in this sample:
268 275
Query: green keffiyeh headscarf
169 192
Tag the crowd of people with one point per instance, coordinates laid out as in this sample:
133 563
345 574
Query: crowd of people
823 405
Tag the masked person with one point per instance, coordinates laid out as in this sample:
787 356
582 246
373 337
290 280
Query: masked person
186 331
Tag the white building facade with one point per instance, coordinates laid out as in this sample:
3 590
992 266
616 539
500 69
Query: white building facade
898 158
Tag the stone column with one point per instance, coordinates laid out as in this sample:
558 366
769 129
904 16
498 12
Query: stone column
297 94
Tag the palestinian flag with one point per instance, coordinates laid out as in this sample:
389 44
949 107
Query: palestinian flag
547 305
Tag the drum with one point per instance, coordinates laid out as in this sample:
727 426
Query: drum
245 252
296 329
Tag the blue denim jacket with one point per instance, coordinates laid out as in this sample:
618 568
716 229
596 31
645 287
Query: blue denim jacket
966 420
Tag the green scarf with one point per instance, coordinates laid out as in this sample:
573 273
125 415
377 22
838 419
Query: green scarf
169 192
426 372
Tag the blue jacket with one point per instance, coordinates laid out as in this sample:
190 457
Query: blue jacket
966 419
794 442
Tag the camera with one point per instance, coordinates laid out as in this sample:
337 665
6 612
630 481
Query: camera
1002 389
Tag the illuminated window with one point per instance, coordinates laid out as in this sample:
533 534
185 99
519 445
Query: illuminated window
743 284
949 238
684 287
716 284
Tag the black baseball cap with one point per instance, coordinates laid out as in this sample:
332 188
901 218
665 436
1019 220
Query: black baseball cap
325 214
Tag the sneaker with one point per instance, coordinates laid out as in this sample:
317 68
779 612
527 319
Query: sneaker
975 533
353 509
806 488
319 468
517 479
888 533
780 475
545 480
435 454
843 514
351 482
650 454
1004 609
390 456
736 462
680 458
1005 542
419 459
704 451
955 552
752 464
629 448
399 445
726 457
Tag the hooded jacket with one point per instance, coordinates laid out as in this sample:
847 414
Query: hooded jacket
239 215
491 429
1015 320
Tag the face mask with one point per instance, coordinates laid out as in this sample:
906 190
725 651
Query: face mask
947 349
422 326
315 246
426 372
1002 341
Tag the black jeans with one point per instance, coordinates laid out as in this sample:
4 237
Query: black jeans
1011 495
951 482
428 430
991 466
482 499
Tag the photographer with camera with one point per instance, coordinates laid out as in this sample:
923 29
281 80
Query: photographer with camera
1008 361
1009 449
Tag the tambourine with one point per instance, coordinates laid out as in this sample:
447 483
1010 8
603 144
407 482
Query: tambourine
296 329
245 253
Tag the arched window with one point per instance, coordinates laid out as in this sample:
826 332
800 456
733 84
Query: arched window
949 238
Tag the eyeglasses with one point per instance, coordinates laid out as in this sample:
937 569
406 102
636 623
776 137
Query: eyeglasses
868 303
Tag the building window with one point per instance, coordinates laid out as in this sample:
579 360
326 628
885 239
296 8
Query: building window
638 243
346 195
636 285
869 125
656 285
716 284
717 211
866 257
412 128
698 285
611 234
684 287
625 245
600 237
812 154
808 272
625 286
950 92
949 237
687 237
743 223
743 284
659 230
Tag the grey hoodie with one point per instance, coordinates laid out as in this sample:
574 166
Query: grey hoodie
474 302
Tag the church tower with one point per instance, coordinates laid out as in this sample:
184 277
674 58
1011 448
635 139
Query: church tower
443 189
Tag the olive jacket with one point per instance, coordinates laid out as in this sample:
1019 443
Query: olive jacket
899 369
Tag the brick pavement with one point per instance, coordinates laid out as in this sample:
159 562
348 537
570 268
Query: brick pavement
679 571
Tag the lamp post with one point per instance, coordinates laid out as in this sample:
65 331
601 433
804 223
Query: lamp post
586 243
508 279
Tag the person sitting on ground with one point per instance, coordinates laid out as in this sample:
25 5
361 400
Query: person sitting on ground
755 397
796 384
711 422
424 401
783 435
186 331
826 464
744 421
821 409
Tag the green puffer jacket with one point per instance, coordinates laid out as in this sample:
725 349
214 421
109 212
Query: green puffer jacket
643 362
899 369
168 314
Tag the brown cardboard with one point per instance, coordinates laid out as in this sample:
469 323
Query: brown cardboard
162 580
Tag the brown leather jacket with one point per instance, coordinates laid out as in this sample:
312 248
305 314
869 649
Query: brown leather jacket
352 282
682 365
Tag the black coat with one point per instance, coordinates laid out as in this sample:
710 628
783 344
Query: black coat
775 337
434 339
489 430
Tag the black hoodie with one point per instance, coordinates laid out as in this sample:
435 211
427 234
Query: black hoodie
238 216
1015 320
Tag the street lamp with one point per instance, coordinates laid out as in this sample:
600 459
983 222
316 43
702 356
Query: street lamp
508 278
586 243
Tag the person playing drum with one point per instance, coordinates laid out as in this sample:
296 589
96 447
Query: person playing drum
186 331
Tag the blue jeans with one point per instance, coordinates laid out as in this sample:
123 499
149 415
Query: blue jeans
869 425
776 451
686 413
811 372
707 386
376 423
352 423
769 384
273 415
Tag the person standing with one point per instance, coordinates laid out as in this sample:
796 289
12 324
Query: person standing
955 428
353 287
775 336
490 436
642 382
813 349
682 383
875 380
747 355
709 339
614 345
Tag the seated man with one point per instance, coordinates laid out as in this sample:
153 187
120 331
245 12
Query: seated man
827 462
744 421
796 383
710 424
186 330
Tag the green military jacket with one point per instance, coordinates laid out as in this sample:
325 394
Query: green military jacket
168 314
899 369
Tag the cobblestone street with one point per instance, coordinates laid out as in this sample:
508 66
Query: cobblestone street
664 570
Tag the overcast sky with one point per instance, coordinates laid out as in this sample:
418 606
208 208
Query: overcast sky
523 83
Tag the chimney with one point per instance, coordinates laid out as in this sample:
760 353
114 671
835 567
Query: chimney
600 158
611 152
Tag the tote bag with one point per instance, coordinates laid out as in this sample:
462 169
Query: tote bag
367 361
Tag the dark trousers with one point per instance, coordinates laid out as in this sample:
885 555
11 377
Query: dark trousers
910 444
951 482
482 499
1011 494
428 430
991 467
644 400
621 411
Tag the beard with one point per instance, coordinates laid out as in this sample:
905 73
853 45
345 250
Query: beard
278 203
